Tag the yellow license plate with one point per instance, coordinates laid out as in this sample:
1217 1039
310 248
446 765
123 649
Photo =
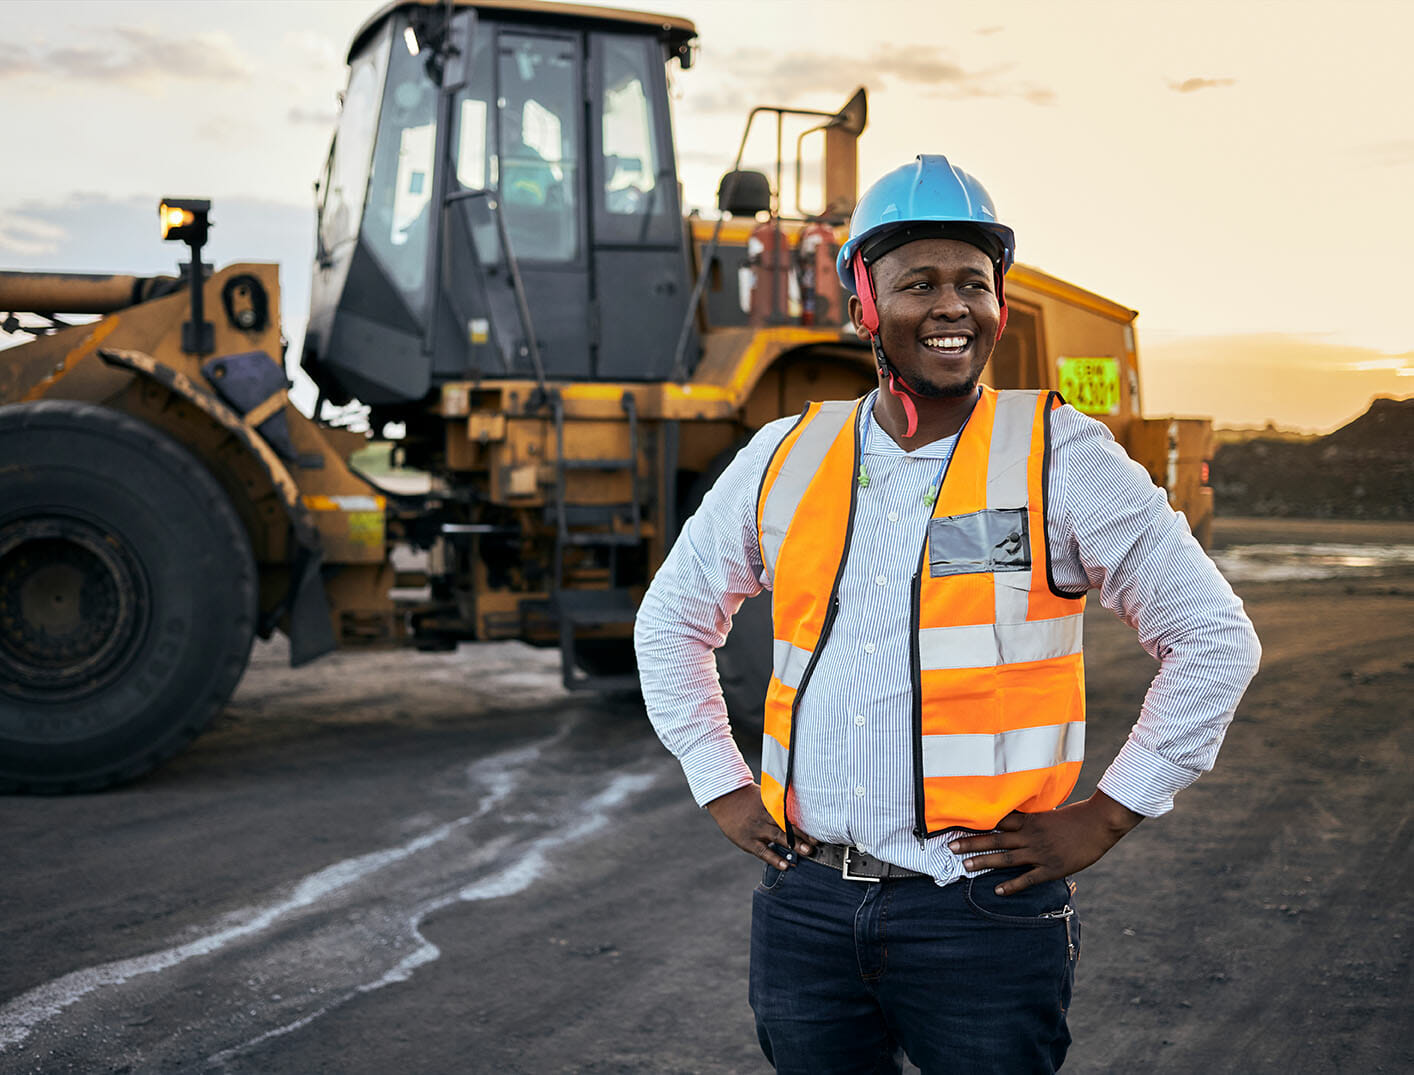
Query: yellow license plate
1090 385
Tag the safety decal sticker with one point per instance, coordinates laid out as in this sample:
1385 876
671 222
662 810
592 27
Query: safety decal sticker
1090 385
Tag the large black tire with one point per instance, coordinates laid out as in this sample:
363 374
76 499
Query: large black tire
744 661
127 597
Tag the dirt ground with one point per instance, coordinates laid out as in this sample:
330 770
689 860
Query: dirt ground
444 863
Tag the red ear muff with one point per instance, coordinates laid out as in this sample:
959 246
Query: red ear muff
864 288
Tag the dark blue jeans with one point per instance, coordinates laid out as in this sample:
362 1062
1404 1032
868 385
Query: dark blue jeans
845 974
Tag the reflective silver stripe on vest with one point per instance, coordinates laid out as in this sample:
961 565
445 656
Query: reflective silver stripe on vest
988 645
773 759
1009 752
1008 456
796 473
1008 463
788 663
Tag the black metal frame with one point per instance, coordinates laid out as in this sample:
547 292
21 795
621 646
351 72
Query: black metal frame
699 287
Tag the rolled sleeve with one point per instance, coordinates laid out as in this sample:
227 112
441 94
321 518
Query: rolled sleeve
686 614
1117 533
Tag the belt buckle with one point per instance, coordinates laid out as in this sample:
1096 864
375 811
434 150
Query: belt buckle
844 870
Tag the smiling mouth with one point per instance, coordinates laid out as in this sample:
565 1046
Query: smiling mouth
952 344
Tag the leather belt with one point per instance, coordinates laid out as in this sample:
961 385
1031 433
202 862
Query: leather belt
855 865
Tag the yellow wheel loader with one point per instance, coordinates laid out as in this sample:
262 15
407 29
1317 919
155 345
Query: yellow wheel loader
505 276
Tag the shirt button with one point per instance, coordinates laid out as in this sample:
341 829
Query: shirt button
868 647
880 579
859 719
859 792
893 516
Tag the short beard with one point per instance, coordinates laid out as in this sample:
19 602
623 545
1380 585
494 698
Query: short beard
929 390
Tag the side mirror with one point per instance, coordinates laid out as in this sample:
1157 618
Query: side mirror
744 194
456 50
852 118
842 156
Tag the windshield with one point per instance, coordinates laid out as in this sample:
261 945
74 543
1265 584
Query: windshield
397 224
346 184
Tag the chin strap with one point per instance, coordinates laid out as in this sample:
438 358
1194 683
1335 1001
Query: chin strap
895 382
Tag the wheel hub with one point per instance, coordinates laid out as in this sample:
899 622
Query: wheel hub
73 607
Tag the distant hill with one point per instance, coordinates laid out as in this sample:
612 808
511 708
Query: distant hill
1363 470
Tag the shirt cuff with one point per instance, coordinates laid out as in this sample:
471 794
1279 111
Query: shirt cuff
714 767
1143 781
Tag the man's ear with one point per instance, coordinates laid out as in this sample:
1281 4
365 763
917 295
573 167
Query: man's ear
856 317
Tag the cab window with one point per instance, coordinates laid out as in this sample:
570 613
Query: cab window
537 166
635 192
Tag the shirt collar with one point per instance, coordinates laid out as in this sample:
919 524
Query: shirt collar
880 443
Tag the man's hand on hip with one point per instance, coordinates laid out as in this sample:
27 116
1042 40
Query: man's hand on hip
1055 843
742 817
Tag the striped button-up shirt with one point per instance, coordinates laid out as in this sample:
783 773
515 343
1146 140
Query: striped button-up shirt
1110 529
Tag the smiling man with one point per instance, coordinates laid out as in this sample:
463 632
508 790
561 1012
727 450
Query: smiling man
929 549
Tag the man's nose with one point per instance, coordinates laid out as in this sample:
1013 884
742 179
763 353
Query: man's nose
949 305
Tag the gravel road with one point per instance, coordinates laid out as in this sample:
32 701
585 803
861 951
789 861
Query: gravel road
444 863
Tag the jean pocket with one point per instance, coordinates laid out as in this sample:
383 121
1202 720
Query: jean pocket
1046 904
770 878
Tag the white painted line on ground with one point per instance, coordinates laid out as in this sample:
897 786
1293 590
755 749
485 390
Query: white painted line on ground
20 1016
519 875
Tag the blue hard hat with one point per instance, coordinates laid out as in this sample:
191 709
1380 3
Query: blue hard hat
927 191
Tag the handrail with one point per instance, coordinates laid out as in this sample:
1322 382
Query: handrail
679 372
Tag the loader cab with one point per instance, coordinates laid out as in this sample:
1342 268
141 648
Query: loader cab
501 189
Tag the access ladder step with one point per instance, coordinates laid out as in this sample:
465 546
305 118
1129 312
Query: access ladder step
592 608
598 464
600 537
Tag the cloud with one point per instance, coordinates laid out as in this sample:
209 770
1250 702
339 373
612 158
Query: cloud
126 55
1396 153
760 76
1193 85
94 232
1252 378
25 236
922 68
97 233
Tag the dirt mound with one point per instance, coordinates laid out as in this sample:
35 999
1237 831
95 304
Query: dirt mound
1388 426
1364 470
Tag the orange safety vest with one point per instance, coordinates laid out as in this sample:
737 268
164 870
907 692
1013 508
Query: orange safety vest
998 676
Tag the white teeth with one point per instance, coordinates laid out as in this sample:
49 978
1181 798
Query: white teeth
946 343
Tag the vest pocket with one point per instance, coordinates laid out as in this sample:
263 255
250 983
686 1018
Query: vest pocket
980 542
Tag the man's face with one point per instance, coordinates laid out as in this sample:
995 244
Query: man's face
938 314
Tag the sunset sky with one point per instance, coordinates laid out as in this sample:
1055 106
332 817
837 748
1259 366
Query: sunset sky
1239 172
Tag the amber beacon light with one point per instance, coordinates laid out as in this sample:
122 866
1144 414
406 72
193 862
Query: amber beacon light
187 220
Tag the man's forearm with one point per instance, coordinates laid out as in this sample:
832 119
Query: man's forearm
678 673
